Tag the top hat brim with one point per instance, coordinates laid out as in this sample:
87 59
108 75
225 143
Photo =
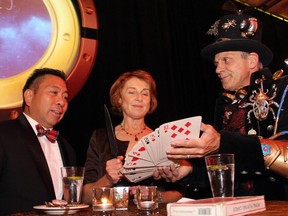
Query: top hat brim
245 45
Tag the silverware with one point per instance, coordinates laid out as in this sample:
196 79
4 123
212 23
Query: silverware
61 204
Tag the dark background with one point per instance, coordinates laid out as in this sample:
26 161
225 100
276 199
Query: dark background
163 37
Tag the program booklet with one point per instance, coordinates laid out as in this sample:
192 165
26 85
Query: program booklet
226 206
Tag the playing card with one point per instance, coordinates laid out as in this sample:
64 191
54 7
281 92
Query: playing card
136 170
184 129
149 141
134 162
140 151
158 144
136 177
150 151
165 162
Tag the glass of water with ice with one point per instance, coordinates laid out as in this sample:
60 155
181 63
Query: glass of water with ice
72 183
220 168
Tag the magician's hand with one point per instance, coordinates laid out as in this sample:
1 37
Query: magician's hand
208 142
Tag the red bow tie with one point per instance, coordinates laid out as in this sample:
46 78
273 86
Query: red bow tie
50 134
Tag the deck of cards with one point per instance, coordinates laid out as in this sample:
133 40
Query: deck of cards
150 152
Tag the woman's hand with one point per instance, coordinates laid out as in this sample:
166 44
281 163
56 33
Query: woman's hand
113 167
173 173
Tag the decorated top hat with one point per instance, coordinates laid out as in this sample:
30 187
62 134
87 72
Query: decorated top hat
237 32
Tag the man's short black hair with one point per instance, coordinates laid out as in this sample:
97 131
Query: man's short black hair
40 73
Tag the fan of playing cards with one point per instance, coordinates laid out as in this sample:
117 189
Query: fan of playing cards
150 151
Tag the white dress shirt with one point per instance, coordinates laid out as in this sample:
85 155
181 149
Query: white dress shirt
53 158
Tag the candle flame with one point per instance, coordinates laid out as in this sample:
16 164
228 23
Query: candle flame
104 200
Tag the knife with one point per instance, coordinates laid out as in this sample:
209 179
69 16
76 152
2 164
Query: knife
110 132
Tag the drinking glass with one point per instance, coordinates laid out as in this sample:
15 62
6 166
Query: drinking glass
72 183
121 195
147 200
220 168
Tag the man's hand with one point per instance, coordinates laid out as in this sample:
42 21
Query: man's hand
209 142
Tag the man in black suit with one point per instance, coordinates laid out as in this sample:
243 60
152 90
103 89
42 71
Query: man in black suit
30 161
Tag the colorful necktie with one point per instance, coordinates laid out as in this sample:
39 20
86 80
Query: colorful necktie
50 134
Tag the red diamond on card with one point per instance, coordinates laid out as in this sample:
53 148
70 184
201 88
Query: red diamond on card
187 132
173 135
141 149
134 159
174 127
188 124
180 130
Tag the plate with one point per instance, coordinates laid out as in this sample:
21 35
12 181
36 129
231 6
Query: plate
60 210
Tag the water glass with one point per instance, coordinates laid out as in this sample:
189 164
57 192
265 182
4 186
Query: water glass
220 168
72 178
147 200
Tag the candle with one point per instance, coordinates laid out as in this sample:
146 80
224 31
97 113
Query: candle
103 200
147 204
103 207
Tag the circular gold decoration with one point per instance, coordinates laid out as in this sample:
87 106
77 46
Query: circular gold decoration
60 34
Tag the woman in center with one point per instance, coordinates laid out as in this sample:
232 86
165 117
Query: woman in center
133 96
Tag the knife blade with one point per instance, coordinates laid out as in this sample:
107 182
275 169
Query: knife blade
110 132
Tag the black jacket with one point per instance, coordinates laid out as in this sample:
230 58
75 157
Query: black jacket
240 131
25 180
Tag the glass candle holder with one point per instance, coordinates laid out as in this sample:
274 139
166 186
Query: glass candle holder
103 201
121 195
147 200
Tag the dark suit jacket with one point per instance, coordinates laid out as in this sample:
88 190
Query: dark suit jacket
252 178
25 179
